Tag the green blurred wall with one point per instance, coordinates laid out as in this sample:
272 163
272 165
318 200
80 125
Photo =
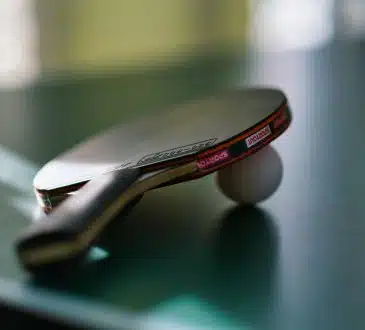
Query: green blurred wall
81 36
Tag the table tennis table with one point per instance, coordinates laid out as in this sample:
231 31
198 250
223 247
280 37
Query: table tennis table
188 258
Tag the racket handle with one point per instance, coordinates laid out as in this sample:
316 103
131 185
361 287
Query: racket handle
69 231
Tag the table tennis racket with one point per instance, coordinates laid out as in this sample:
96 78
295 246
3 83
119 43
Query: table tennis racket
84 188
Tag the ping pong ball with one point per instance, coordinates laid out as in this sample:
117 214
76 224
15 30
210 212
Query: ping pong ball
253 179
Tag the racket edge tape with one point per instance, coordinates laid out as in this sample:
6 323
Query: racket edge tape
49 200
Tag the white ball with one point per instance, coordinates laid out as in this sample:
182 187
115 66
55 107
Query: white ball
252 179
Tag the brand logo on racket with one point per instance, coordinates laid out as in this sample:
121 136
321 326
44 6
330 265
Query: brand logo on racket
176 152
213 160
258 136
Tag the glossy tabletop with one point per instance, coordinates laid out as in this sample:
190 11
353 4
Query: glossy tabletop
188 258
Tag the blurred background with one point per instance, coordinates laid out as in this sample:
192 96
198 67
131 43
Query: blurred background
107 60
43 40
89 64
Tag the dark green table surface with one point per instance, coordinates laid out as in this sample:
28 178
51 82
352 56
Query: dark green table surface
187 258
